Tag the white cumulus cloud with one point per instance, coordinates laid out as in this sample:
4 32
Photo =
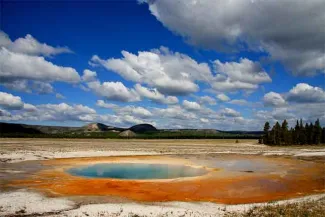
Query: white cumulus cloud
29 45
16 66
290 31
189 105
207 100
242 75
274 99
115 91
103 104
9 101
170 73
305 93
154 95
89 75
223 97
228 112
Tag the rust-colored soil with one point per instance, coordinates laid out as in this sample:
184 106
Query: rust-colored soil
218 185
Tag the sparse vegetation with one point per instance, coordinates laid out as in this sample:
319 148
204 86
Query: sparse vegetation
301 209
194 134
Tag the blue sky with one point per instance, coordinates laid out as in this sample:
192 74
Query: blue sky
203 65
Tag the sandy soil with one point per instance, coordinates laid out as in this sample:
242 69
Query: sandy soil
26 202
16 150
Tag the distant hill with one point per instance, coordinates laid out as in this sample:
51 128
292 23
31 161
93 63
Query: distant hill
10 128
99 130
17 128
99 127
52 129
34 129
143 128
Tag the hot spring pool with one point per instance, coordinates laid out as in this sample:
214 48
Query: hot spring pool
136 171
221 178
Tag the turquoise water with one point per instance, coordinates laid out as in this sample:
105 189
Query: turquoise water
136 171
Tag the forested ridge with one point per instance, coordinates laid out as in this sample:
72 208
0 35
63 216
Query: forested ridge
301 134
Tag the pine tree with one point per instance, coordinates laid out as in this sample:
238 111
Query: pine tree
284 132
266 130
290 137
294 139
302 133
272 136
277 136
301 125
307 133
297 131
317 133
311 134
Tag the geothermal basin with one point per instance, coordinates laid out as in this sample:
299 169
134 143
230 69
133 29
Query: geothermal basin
136 171
220 178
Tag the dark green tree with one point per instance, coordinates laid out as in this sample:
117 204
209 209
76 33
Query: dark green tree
266 139
317 137
290 136
311 134
302 133
297 131
284 133
277 134
299 135
294 139
307 133
272 136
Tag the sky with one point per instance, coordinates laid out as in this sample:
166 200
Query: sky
222 64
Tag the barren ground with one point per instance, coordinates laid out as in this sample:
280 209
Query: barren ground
21 202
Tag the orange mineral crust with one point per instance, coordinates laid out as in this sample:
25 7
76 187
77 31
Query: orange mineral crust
219 185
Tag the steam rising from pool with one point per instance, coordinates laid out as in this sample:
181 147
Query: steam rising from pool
136 171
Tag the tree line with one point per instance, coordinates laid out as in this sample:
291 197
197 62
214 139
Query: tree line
301 134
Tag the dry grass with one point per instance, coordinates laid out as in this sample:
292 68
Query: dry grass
299 209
